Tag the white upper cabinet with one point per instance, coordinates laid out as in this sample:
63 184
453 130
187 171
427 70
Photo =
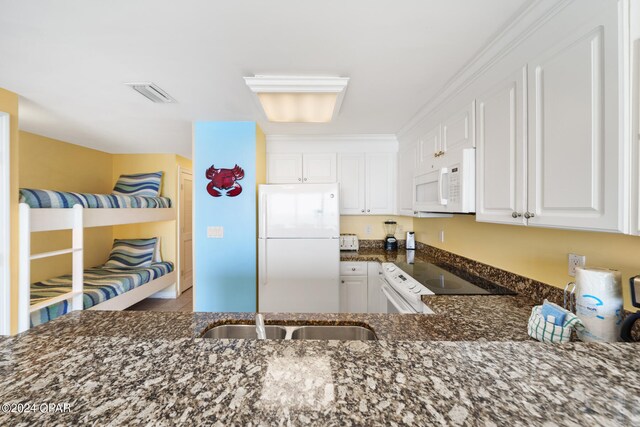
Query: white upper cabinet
319 168
367 183
351 176
428 150
501 152
574 145
284 168
380 183
458 131
407 161
298 168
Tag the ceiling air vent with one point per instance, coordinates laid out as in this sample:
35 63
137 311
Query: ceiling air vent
152 92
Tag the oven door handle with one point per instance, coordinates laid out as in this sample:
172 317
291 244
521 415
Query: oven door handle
401 306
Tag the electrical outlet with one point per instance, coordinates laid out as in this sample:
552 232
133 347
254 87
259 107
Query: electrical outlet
368 230
574 262
441 236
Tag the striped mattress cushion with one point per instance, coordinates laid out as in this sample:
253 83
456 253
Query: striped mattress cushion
62 199
131 253
139 184
100 285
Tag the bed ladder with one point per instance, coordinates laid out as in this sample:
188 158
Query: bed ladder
25 257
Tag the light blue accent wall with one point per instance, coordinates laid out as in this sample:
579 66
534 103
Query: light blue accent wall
225 269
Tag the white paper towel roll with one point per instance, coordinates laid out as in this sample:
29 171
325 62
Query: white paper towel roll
599 304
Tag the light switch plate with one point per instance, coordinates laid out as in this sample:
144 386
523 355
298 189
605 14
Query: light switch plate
215 232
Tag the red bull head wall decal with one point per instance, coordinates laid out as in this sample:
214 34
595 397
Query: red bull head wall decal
224 181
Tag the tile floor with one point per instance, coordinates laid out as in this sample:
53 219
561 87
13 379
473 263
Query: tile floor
183 303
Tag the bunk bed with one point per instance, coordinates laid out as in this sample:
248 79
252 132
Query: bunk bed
97 288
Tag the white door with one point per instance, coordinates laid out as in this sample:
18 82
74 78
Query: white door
353 294
380 183
299 211
319 168
351 176
458 131
501 152
284 168
299 275
186 236
575 171
429 149
5 227
407 159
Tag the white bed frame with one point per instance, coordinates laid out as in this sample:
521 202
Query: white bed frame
77 219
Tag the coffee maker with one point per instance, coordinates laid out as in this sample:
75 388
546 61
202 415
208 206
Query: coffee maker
390 242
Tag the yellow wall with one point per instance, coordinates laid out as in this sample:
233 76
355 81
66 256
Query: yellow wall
537 253
9 104
357 224
50 164
166 230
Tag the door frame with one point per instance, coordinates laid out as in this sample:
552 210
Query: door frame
181 170
5 225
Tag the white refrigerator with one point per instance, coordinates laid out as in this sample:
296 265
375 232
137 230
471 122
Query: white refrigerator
298 248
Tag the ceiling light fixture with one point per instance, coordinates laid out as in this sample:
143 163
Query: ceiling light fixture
152 92
299 99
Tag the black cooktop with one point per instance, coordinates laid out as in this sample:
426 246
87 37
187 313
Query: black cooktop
442 281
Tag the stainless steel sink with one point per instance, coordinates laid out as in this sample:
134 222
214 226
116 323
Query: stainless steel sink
333 333
245 332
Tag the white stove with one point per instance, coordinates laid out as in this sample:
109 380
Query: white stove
401 293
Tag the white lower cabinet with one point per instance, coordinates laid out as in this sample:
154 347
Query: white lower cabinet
353 294
359 287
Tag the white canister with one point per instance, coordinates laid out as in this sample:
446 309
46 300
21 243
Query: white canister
599 304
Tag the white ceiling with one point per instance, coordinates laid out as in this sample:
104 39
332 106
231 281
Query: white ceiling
68 59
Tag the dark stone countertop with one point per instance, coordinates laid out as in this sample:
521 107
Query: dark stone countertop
470 363
108 378
373 254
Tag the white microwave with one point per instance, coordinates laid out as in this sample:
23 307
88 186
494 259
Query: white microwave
450 187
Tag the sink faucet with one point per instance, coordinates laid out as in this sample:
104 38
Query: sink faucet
262 334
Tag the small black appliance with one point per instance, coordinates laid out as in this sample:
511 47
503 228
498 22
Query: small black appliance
390 242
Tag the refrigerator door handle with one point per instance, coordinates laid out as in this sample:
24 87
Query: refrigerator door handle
262 226
262 262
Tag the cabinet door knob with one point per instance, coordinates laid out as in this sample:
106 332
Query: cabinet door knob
305 179
362 210
353 269
342 281
299 179
516 215
529 215
368 210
